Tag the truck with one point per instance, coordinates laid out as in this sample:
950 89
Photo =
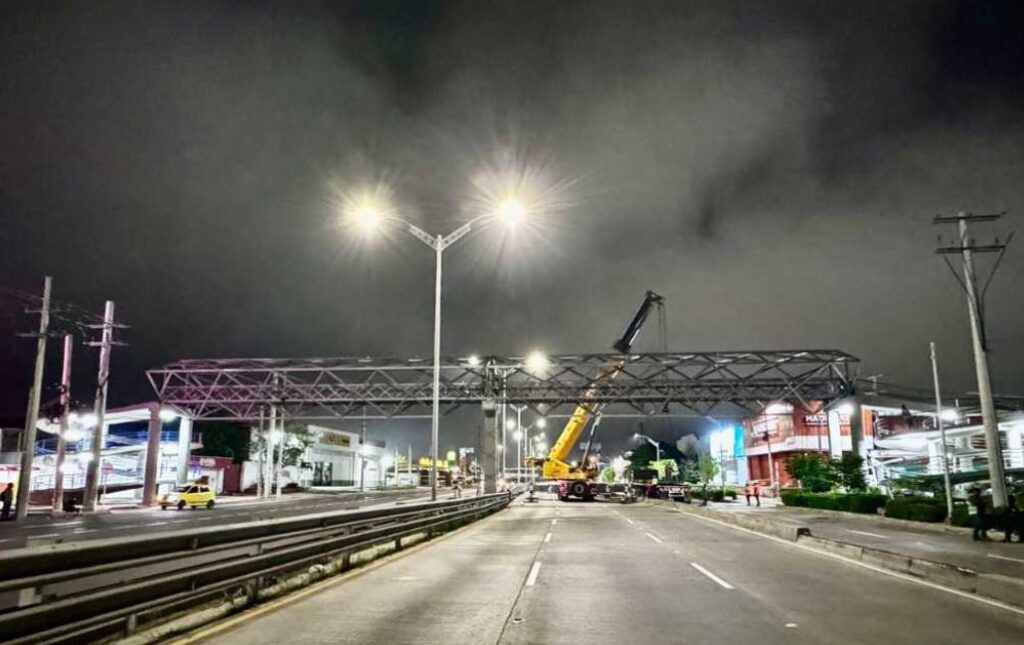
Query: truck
578 480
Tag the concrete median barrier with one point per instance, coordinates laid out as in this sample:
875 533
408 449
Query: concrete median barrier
755 522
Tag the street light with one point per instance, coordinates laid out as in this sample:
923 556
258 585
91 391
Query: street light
372 212
657 447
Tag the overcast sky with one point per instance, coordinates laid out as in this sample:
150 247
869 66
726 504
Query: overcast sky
771 168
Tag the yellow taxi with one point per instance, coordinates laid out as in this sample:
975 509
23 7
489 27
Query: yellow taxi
194 495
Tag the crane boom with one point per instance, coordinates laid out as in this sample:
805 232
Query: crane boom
557 465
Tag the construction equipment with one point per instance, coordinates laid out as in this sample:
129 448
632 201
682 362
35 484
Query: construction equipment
577 479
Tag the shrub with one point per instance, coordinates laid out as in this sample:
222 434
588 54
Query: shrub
851 503
868 503
916 509
962 516
814 472
794 497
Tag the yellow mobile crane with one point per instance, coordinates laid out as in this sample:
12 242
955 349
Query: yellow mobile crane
578 480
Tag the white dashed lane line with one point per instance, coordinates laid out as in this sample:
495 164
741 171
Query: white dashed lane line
547 538
874 535
534 572
1003 557
716 579
654 537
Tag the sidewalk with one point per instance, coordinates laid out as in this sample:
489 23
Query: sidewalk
940 554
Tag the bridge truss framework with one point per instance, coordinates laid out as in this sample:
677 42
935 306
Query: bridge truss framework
673 383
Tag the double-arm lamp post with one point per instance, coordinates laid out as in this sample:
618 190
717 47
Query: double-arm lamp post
371 217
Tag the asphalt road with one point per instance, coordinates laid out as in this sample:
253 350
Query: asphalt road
44 530
609 573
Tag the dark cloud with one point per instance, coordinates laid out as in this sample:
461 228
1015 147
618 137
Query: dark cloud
772 168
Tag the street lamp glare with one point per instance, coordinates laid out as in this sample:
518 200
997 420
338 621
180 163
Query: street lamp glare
542 423
511 212
536 361
369 218
473 360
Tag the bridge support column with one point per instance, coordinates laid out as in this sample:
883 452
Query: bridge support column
488 447
184 449
152 456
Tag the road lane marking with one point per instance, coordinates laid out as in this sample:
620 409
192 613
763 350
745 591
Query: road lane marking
992 602
547 538
721 583
81 531
630 521
553 522
874 535
157 523
1004 557
654 537
532 578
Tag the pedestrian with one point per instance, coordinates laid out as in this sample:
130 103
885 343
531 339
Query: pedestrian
456 489
748 490
6 498
978 502
1010 519
757 493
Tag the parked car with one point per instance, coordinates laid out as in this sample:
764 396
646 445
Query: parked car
195 495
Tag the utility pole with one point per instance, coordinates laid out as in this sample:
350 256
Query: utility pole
102 380
279 462
259 471
942 437
268 487
32 416
65 403
966 248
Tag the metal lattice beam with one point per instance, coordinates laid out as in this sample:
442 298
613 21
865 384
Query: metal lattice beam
702 383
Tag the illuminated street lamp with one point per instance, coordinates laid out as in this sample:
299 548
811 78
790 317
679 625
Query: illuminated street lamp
371 212
657 447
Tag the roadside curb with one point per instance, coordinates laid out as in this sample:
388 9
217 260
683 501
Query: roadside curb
994 586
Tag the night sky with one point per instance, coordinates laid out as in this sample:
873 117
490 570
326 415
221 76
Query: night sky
772 168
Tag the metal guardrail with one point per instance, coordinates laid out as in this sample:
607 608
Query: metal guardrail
86 591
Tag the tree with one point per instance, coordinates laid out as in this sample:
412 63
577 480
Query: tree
608 475
816 473
690 472
707 468
296 441
642 456
850 471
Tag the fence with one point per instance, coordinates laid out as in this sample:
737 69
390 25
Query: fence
87 591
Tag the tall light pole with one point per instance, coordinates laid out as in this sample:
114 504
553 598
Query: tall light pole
371 217
657 447
942 437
